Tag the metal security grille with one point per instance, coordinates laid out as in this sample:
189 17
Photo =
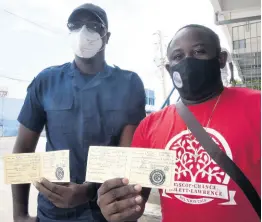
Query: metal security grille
247 53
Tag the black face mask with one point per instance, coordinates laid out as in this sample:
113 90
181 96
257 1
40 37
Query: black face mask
197 80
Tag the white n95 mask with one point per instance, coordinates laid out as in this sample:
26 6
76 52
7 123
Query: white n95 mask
86 43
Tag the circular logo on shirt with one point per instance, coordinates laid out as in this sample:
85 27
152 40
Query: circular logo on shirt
59 173
157 177
177 79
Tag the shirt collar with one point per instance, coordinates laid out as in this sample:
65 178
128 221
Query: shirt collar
105 73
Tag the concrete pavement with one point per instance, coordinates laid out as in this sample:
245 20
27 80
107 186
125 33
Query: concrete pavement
152 212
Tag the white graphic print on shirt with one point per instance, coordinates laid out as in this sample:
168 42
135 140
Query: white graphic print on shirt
198 179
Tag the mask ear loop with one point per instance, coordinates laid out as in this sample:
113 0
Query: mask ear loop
106 32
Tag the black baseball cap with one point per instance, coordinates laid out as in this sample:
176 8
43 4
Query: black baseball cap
90 8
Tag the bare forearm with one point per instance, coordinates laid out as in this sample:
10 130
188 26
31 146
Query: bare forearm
20 194
25 143
127 135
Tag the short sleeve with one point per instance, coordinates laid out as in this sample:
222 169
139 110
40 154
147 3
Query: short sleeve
136 103
32 114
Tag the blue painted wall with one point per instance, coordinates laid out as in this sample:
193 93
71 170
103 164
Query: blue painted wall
9 111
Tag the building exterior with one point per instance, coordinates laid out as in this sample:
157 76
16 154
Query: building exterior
240 21
150 101
9 111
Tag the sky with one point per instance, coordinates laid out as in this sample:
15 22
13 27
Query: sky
27 48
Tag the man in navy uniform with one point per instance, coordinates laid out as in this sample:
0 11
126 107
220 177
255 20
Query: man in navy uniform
82 103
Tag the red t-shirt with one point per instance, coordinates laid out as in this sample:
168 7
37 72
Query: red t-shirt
202 192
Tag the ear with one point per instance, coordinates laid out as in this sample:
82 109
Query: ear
168 69
108 37
223 59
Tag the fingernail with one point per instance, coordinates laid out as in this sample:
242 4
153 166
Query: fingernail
138 199
41 180
138 208
138 187
125 181
34 183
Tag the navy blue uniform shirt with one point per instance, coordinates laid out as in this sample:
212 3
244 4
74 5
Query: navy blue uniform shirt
78 111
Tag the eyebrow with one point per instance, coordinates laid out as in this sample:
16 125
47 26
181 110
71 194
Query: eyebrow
199 44
194 45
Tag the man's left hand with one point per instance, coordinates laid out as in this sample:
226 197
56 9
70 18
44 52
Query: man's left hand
63 196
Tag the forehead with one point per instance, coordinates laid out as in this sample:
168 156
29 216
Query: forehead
191 36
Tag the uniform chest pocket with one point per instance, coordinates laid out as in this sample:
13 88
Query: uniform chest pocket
60 116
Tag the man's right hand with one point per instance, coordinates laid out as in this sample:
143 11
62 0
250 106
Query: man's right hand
120 201
25 219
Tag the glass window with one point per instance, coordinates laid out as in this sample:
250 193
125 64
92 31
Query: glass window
239 44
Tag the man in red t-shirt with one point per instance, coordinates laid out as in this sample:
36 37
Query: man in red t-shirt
232 116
